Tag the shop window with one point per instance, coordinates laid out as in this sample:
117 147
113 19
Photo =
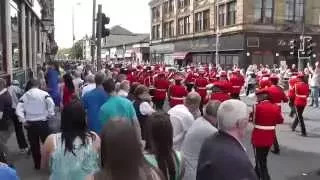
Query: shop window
1 39
16 34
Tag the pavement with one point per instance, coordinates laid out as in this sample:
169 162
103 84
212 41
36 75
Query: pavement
299 158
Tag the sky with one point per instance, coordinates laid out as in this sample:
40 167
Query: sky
133 15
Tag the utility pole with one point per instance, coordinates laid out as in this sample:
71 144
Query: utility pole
93 38
217 34
99 28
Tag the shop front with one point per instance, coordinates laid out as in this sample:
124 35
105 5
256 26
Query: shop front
22 39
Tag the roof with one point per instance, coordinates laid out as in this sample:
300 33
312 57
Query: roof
120 36
118 30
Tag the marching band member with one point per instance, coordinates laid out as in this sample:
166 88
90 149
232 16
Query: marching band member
177 92
266 116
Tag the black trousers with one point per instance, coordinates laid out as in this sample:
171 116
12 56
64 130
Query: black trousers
159 104
235 96
276 146
21 139
38 130
189 87
299 119
292 108
250 88
261 154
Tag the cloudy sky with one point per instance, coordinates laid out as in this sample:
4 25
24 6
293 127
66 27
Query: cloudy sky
131 14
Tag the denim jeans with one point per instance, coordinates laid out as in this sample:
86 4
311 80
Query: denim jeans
315 95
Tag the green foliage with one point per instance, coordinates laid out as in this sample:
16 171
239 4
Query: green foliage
71 53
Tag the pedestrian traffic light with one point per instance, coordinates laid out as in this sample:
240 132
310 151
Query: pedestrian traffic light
294 47
104 21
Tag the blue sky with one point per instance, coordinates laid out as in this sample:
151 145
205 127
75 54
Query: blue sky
133 15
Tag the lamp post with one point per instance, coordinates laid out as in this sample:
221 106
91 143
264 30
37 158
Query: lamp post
73 35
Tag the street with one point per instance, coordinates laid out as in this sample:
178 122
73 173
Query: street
299 158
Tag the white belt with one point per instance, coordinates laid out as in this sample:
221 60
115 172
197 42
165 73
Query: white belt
265 127
236 86
163 90
301 96
279 104
202 88
177 98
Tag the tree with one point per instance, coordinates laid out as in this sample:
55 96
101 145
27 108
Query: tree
76 50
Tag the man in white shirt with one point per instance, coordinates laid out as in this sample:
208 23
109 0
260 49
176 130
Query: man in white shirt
33 110
91 85
200 130
182 118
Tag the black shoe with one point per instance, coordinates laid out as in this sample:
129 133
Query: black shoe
304 134
277 152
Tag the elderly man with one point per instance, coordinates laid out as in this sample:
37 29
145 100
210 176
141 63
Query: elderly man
33 110
92 102
200 130
223 155
90 85
182 118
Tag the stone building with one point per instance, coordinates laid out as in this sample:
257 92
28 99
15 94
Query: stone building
26 37
250 31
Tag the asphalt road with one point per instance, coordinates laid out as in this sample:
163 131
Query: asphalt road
299 158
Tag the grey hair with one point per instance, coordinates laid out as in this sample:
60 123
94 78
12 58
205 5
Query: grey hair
211 109
90 78
230 113
193 98
124 85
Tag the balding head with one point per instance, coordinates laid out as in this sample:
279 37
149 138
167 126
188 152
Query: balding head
90 78
99 78
211 111
233 116
192 101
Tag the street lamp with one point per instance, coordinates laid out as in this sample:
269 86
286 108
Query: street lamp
73 35
248 54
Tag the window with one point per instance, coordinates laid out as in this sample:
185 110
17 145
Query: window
158 31
165 7
16 34
206 20
231 8
198 22
171 6
155 12
294 10
181 26
166 29
183 3
186 25
202 21
263 12
153 32
221 15
171 29
1 39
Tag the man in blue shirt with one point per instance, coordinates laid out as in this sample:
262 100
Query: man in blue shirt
92 102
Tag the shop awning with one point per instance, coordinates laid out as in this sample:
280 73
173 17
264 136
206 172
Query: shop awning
180 55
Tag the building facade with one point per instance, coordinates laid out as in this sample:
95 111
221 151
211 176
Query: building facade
125 45
26 37
249 31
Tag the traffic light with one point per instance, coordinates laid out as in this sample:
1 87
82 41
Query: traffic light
294 47
104 21
309 47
